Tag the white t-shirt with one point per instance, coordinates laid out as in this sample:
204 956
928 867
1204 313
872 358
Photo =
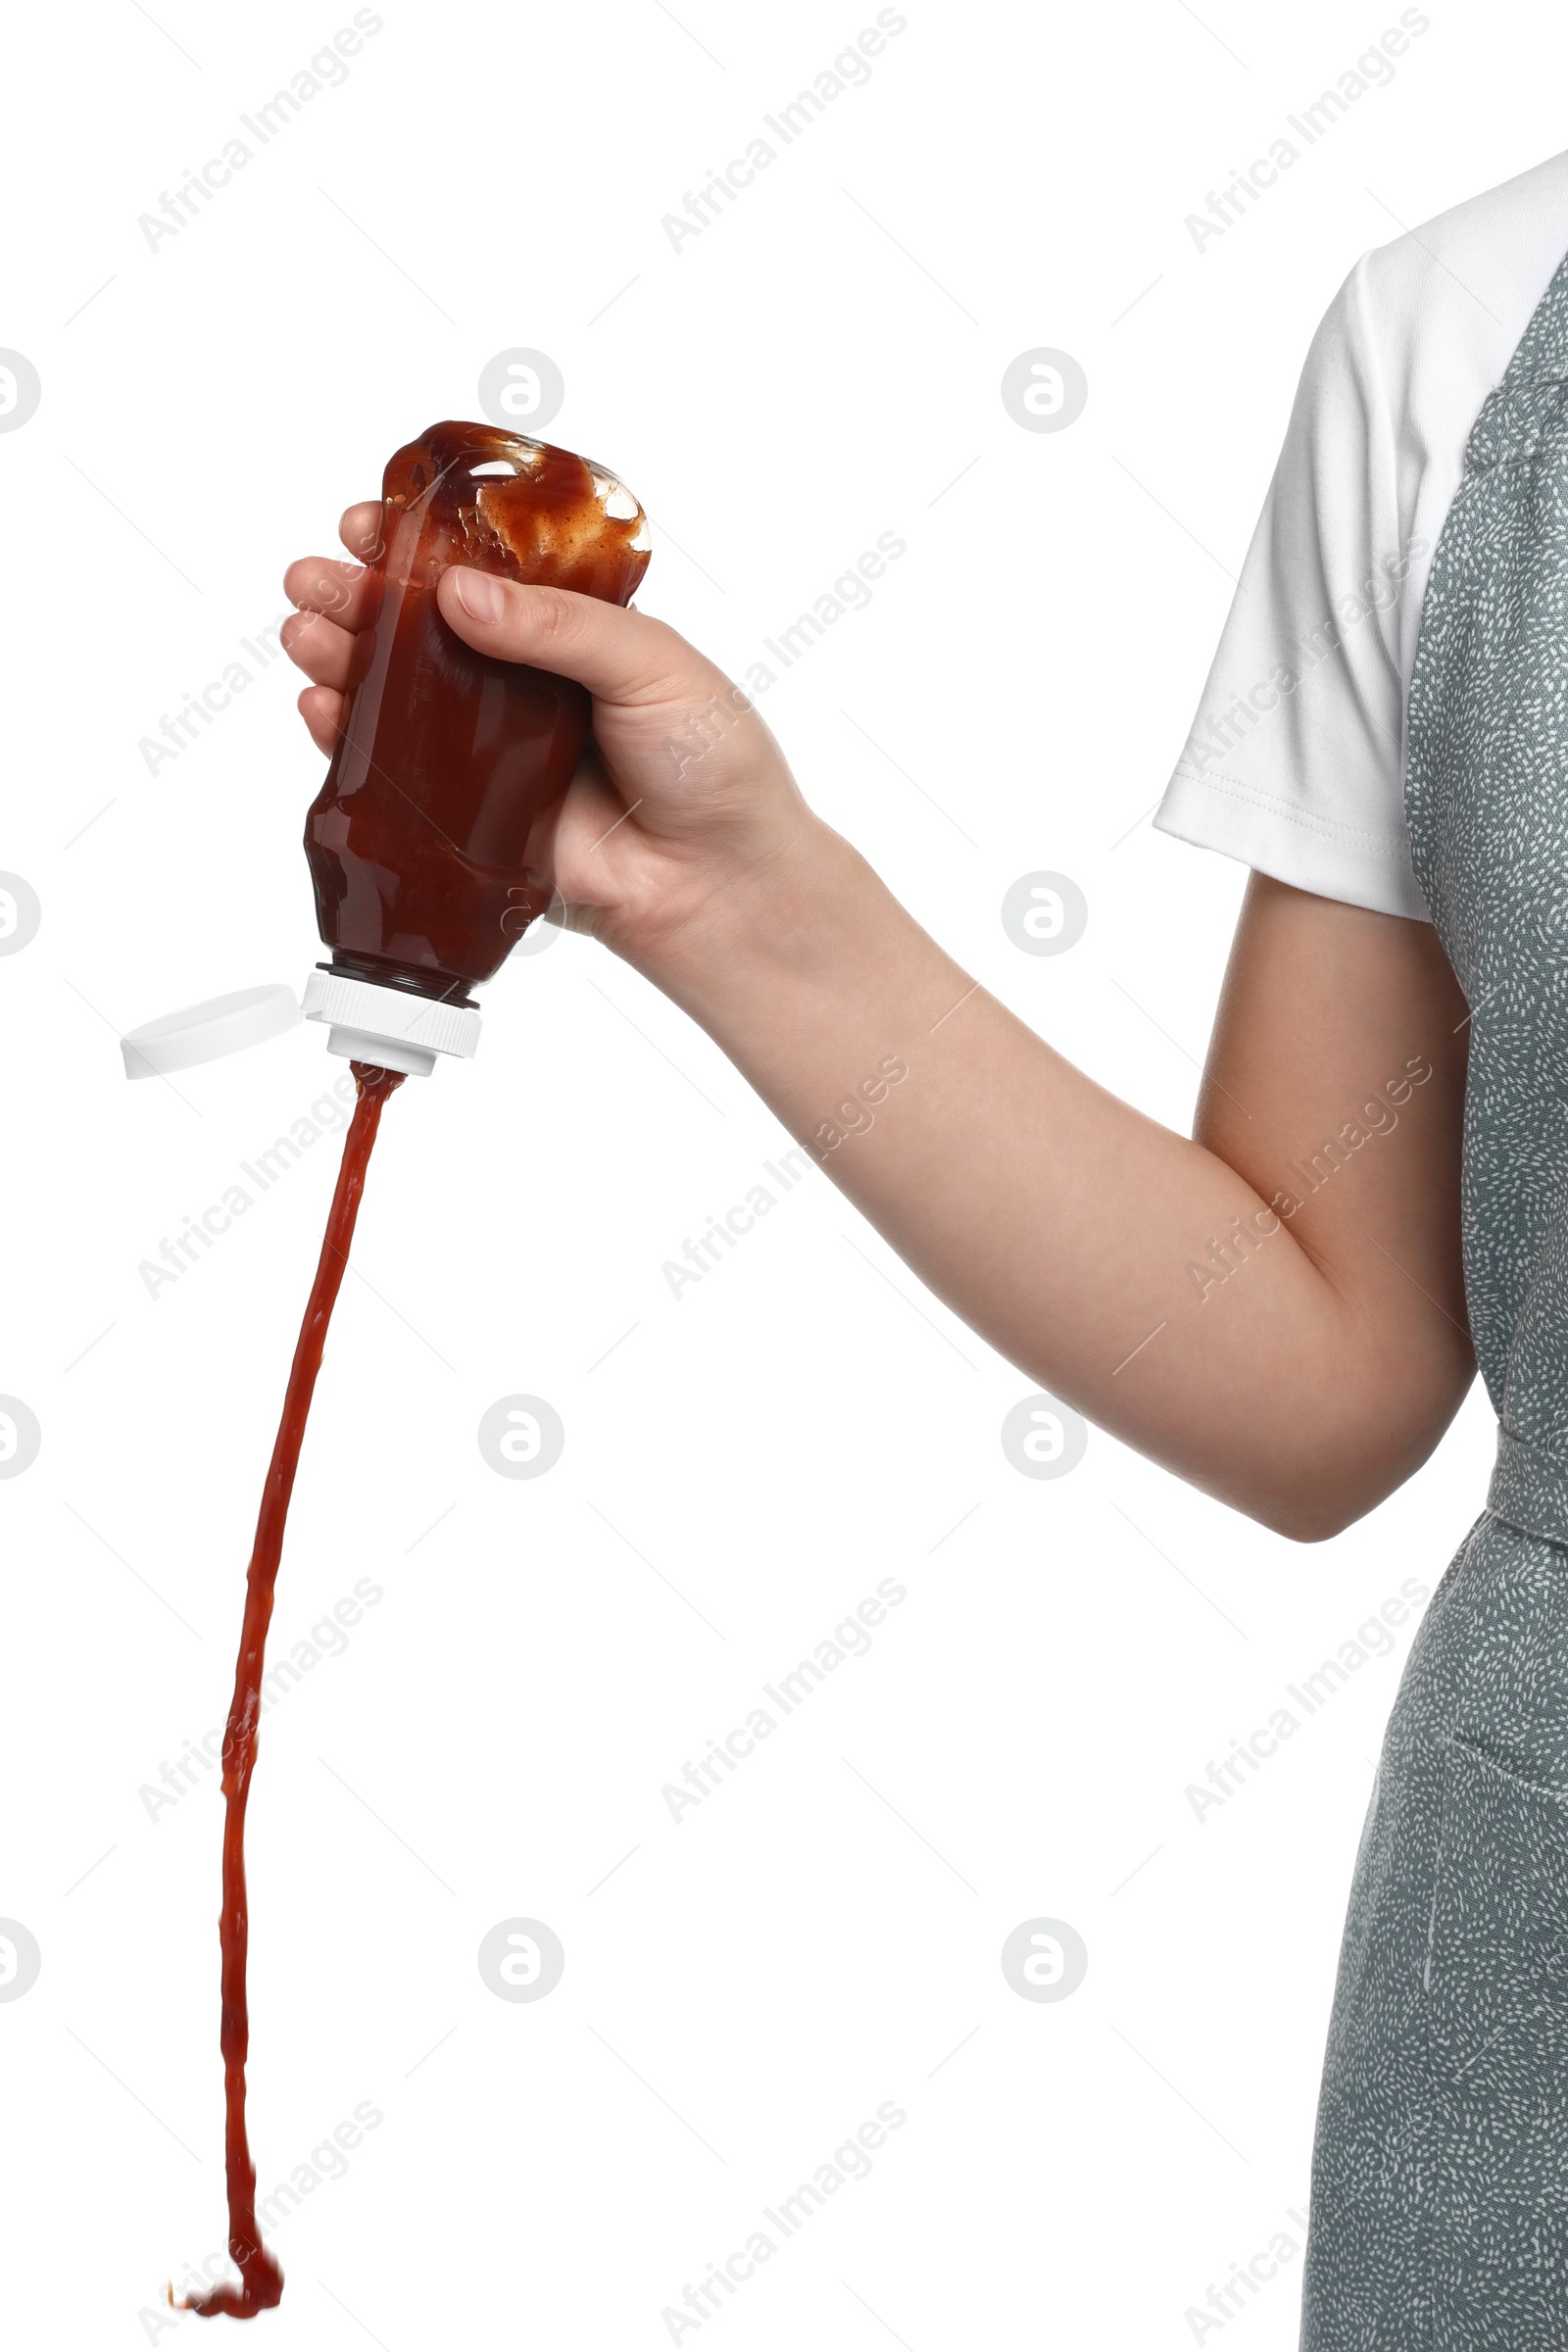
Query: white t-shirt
1295 763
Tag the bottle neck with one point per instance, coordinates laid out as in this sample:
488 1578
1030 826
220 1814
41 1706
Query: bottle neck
385 971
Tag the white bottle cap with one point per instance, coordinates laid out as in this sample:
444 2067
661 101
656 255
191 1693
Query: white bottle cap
206 1032
390 1027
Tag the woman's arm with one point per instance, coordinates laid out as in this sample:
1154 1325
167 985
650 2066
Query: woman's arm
1274 1310
1298 1366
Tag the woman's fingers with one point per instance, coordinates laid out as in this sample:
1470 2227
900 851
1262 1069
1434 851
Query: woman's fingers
318 646
323 584
322 709
318 638
361 528
331 599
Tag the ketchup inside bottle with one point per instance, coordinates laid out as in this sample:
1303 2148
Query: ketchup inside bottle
429 843
429 848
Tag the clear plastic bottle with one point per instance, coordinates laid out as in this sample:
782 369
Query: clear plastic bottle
430 843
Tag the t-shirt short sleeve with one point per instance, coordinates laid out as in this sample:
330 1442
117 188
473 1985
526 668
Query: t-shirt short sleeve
1296 760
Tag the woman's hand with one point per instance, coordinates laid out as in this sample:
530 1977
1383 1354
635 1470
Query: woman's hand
683 798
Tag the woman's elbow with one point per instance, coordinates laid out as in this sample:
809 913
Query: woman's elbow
1311 1518
1319 1495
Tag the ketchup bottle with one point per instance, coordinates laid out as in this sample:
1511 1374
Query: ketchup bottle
429 843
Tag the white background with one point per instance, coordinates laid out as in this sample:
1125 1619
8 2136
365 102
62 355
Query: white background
819 367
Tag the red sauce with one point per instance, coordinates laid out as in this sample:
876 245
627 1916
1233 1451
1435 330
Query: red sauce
261 2281
429 852
429 843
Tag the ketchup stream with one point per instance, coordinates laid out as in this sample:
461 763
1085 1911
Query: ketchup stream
429 844
261 2279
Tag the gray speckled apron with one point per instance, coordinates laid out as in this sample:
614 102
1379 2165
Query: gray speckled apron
1440 2199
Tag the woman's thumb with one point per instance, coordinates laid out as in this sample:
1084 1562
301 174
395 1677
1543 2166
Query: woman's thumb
620 656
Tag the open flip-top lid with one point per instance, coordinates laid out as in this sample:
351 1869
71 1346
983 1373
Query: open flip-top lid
209 1031
364 1021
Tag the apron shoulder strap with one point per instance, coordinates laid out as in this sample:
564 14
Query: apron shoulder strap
1532 388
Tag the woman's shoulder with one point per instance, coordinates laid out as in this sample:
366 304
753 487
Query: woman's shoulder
1440 310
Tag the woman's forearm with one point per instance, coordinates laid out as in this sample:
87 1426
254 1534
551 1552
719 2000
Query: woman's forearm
1077 1236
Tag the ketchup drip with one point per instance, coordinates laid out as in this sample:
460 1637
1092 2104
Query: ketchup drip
261 2279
